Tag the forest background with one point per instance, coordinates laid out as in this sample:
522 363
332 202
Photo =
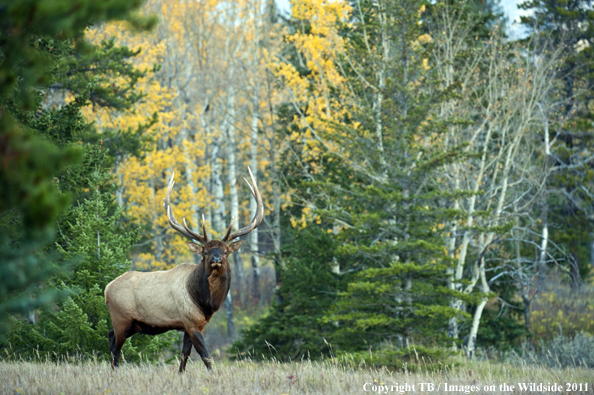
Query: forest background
428 181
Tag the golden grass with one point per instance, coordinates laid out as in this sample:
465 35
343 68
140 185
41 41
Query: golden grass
249 377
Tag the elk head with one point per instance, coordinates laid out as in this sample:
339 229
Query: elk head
215 253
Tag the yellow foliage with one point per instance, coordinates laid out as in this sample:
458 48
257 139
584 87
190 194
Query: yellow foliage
424 38
562 311
183 42
319 48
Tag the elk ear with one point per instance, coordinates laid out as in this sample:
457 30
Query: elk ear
195 248
234 247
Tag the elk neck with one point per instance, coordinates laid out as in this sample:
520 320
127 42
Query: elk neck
208 291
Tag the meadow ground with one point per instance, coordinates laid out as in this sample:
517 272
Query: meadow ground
248 377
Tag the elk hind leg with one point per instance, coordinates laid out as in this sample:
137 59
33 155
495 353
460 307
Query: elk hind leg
111 337
186 350
200 346
120 334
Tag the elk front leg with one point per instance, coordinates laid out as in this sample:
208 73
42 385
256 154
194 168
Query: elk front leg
200 346
186 350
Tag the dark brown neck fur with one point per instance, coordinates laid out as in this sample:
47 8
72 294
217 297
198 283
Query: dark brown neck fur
208 291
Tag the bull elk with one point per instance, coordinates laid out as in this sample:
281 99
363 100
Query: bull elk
184 298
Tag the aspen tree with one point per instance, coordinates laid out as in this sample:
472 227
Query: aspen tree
499 93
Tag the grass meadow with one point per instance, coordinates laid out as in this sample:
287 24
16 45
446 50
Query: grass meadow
271 377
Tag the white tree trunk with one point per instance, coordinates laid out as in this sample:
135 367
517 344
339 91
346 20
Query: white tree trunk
453 329
233 195
456 281
217 186
231 161
231 332
545 207
189 170
476 319
157 239
253 206
381 86
120 190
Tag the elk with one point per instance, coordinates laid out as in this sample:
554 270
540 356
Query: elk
184 298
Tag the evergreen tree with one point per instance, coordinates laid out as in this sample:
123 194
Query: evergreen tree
98 244
91 244
294 328
391 214
569 208
372 198
49 248
29 201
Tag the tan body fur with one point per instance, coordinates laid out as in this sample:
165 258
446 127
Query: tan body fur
158 299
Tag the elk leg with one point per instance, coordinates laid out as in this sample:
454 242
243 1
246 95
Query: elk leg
117 349
200 346
111 337
186 349
119 335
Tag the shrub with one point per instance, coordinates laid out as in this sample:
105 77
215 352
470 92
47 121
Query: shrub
563 309
569 351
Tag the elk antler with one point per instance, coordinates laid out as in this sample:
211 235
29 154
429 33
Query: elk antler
194 233
173 222
257 216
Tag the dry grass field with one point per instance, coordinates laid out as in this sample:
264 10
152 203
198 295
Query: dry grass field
248 377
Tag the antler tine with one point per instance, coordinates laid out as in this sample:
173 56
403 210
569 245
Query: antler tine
171 218
204 228
254 195
250 187
228 231
258 198
197 236
257 219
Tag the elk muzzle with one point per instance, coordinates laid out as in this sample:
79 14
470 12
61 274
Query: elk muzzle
216 260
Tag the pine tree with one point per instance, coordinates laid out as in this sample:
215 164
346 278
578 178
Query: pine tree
363 151
52 248
91 248
390 216
569 208
99 246
294 327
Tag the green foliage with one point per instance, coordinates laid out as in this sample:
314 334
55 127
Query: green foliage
107 66
23 275
399 293
410 357
95 234
27 186
374 203
29 201
23 66
563 351
49 248
568 24
94 238
562 311
502 330
294 329
388 214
